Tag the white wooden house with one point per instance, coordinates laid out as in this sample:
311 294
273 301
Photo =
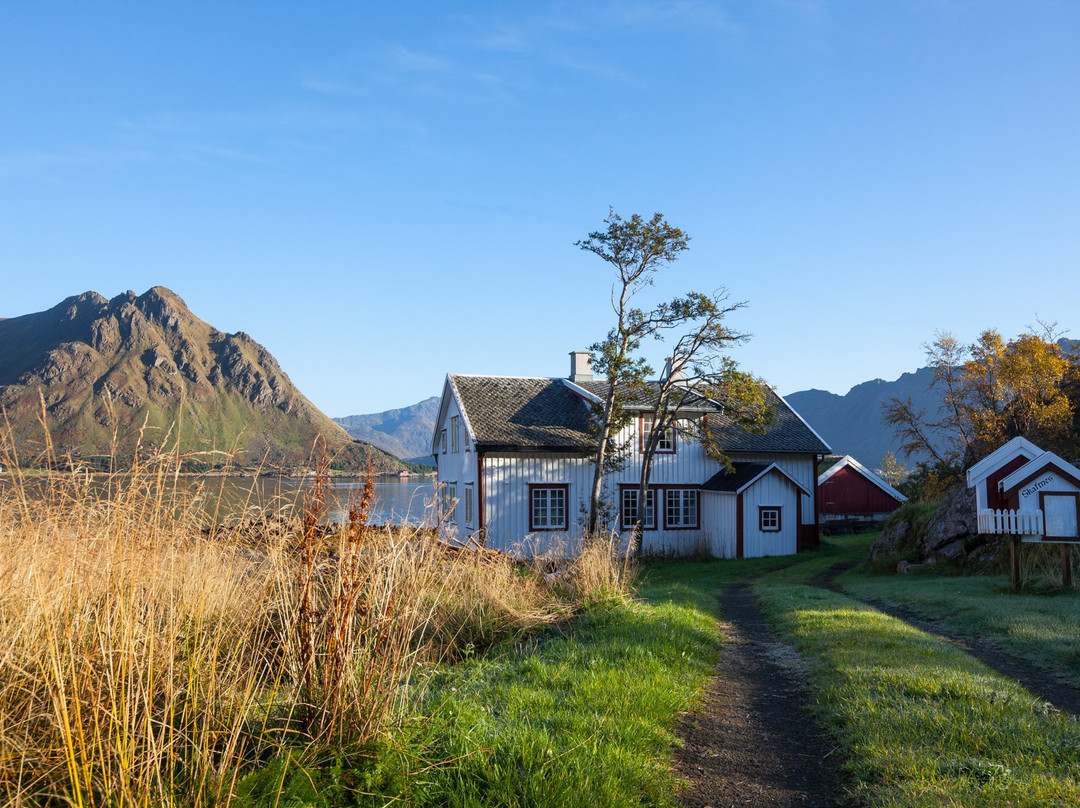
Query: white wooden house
515 472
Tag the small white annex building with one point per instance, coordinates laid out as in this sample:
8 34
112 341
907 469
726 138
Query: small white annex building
515 470
1023 491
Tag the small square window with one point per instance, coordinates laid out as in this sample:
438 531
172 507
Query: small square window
769 519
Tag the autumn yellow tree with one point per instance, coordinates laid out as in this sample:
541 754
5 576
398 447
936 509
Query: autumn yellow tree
992 390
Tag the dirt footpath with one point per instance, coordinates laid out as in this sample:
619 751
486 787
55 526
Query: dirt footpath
753 742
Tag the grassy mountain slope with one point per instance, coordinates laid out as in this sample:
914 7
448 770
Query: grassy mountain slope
105 369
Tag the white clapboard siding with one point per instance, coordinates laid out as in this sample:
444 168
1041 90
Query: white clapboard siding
800 466
688 465
772 490
718 514
1013 523
506 501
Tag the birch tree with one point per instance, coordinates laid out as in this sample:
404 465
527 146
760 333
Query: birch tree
638 250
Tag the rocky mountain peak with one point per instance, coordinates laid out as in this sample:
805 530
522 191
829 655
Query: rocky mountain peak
147 359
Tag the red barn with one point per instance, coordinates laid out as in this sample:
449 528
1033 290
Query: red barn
849 492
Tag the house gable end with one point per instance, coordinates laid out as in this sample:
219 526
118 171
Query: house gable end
849 462
1042 464
999 457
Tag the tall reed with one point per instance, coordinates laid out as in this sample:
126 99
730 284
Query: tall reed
150 658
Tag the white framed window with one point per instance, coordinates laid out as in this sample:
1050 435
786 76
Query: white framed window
769 519
666 443
442 440
448 505
455 434
681 508
470 508
547 507
630 509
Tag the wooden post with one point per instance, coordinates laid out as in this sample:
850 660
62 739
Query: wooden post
1014 561
1066 566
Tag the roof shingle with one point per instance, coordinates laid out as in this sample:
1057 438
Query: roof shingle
523 413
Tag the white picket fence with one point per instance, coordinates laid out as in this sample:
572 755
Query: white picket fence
1012 523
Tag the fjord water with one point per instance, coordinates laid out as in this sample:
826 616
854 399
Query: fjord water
397 500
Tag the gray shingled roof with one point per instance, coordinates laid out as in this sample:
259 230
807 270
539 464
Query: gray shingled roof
787 432
524 413
539 414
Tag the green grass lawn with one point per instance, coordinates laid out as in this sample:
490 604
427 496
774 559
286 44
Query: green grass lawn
917 722
579 718
1043 627
585 715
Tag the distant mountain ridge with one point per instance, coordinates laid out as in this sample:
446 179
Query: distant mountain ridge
852 423
404 432
110 370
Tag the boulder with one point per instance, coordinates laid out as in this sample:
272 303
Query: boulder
892 540
952 525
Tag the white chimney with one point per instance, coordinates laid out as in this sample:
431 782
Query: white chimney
675 374
581 366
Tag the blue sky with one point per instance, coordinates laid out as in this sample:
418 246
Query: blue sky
384 192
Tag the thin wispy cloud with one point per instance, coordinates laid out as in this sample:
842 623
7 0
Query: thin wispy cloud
28 163
504 40
603 70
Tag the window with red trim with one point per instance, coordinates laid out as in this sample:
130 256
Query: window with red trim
666 443
630 509
680 508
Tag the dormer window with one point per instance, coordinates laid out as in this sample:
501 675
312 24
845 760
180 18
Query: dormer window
666 444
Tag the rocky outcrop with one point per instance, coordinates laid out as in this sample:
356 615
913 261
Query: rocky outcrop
949 536
951 528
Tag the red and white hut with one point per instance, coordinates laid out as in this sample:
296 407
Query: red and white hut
1029 495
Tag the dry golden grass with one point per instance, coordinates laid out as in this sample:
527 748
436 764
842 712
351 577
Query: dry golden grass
145 660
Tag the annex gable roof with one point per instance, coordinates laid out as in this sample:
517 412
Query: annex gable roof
744 475
847 461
